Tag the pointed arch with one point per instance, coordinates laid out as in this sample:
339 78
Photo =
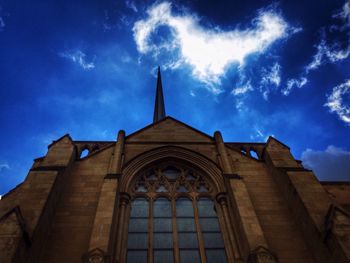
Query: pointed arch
175 153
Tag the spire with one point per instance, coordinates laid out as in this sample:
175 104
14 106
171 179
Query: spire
159 108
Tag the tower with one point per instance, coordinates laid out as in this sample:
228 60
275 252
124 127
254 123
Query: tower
171 193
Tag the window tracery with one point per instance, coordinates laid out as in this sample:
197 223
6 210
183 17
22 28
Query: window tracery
173 217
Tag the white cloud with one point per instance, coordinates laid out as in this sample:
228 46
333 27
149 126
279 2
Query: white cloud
345 13
2 24
326 54
242 89
273 76
132 6
338 101
2 20
78 57
294 83
4 166
331 164
209 51
270 77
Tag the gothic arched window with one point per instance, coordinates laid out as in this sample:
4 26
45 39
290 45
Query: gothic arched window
173 218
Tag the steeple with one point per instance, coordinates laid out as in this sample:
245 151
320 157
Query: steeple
159 108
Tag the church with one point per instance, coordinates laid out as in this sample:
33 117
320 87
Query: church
171 193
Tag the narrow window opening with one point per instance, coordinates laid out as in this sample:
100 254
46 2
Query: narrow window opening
254 154
84 153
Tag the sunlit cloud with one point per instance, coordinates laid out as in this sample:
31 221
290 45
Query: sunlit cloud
326 54
208 51
294 83
332 164
338 101
78 57
271 78
242 89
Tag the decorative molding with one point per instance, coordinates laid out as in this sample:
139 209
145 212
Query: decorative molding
169 142
48 168
221 198
113 176
233 176
96 255
174 153
124 198
262 255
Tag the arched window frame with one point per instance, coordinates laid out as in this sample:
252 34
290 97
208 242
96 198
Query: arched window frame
151 196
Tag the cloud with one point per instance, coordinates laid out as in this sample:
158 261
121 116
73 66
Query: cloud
4 166
242 89
132 6
208 51
326 54
2 21
294 83
2 24
345 13
270 78
331 164
78 57
330 49
339 101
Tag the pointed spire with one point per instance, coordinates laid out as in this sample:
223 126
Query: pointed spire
159 108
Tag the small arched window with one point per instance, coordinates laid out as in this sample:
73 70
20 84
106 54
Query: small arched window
84 153
173 218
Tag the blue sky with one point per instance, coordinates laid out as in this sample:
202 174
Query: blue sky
249 69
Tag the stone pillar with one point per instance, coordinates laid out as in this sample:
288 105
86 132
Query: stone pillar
124 200
102 231
249 229
223 156
221 198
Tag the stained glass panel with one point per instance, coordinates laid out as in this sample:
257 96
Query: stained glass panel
137 256
137 240
188 240
216 255
190 256
184 207
162 208
139 208
163 256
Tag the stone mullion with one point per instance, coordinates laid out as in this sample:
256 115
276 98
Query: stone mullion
175 235
199 232
150 253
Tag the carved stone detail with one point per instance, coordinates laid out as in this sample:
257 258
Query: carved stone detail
96 255
262 255
171 180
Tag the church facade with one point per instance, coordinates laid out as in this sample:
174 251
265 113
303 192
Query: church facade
170 193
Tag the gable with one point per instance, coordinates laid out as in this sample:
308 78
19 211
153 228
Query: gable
169 130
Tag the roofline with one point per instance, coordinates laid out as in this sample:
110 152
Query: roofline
166 118
335 182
